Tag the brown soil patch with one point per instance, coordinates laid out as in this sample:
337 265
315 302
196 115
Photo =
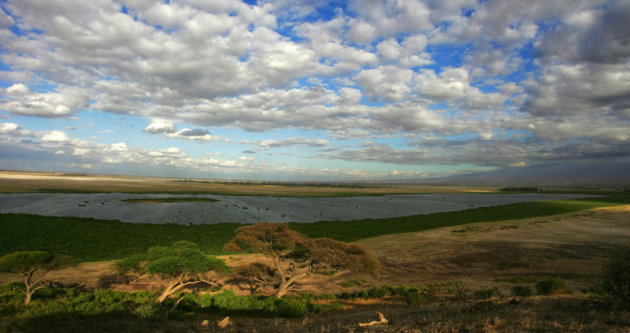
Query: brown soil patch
571 246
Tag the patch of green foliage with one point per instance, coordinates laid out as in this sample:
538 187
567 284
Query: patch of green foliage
522 291
486 293
412 295
91 239
70 302
550 286
169 200
228 302
352 283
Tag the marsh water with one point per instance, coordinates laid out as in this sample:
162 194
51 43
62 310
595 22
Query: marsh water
251 209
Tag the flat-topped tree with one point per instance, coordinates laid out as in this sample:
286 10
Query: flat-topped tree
253 277
181 265
33 266
295 256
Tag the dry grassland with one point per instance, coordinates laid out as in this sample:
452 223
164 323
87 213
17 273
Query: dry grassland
21 182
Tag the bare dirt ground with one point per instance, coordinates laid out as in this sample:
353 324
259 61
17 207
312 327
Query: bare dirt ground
572 246
21 182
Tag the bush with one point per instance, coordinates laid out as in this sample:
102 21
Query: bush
550 286
487 293
616 277
522 291
413 296
288 306
352 283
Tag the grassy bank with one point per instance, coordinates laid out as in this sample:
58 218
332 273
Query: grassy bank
92 239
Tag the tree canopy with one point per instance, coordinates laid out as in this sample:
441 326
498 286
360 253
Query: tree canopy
33 266
182 264
295 256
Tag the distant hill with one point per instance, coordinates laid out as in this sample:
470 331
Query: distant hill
613 174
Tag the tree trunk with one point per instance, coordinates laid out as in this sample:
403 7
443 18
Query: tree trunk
27 298
171 288
286 284
283 288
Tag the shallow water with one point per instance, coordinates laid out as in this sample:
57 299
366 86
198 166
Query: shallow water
251 209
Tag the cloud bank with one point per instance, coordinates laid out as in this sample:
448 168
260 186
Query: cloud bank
402 83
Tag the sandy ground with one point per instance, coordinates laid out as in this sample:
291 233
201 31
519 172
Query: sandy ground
573 246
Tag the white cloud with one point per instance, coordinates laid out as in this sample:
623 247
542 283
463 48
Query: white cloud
55 136
21 100
286 142
556 73
80 151
17 89
160 126
14 129
393 17
350 95
387 82
195 134
453 85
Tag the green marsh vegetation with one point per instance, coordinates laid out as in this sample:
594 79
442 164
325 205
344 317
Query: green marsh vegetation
91 239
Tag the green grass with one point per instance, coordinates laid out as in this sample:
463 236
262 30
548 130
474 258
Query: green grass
358 229
91 239
169 200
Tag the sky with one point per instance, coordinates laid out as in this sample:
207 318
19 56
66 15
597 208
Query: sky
312 90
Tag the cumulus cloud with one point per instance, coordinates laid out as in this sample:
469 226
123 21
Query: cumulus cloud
194 134
55 136
14 129
286 142
20 100
387 82
160 126
453 85
494 83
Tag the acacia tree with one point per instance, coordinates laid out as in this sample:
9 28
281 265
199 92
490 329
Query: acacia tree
295 256
33 266
181 265
253 276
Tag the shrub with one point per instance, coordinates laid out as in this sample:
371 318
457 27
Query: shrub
522 291
550 286
616 277
413 296
486 293
352 283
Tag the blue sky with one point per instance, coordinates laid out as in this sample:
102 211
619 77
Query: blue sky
316 90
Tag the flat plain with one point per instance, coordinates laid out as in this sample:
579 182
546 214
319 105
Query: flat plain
28 182
465 264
